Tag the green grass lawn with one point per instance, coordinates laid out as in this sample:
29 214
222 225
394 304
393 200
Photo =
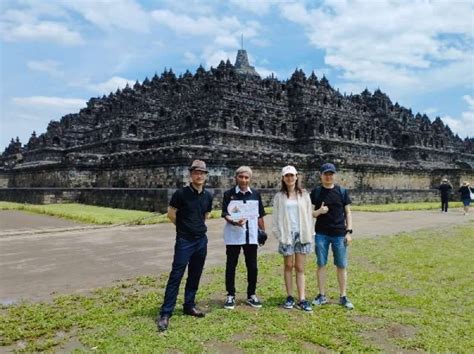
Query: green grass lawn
403 206
89 213
108 216
410 291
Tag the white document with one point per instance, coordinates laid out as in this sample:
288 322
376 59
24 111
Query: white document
238 210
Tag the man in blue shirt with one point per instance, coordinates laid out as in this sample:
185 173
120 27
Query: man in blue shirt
333 227
242 233
188 209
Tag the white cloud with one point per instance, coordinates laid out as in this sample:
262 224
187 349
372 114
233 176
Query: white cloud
110 15
200 26
26 114
190 58
463 126
223 34
194 7
102 88
401 46
111 85
60 103
259 42
212 56
260 7
225 31
227 41
31 20
265 72
469 100
42 31
50 67
430 111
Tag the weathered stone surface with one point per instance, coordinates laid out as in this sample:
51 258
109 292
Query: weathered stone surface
145 136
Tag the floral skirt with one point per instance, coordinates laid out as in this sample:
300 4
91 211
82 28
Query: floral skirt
295 247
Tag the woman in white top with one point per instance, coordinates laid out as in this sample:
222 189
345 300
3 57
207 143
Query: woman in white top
293 227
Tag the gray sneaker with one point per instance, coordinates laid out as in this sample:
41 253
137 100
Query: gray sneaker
320 300
344 301
254 302
229 302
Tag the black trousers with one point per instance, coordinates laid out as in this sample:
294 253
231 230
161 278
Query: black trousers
250 254
444 203
190 254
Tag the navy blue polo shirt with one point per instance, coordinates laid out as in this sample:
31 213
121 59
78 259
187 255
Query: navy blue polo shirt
191 209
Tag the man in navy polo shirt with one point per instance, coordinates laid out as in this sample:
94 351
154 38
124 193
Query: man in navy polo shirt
188 209
241 232
333 227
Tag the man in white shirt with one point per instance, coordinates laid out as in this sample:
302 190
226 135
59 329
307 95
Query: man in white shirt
243 211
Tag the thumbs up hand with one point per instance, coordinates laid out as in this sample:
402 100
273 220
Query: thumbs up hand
323 209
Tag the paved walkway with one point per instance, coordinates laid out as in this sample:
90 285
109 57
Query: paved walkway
13 222
37 266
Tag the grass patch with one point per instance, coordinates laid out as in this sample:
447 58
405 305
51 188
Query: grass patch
403 206
91 214
411 292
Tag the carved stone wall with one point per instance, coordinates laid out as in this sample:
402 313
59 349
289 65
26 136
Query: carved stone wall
145 136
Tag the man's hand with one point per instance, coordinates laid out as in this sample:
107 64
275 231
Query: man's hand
240 222
172 214
348 239
323 209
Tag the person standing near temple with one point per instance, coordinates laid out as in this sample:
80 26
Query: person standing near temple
445 190
466 191
188 209
243 211
333 228
293 227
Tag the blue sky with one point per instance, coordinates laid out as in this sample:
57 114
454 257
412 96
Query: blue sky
56 54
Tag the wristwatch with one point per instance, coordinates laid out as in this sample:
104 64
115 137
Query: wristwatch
349 231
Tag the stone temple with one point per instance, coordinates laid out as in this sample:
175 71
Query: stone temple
132 147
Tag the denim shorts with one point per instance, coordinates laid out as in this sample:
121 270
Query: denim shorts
466 202
295 247
339 250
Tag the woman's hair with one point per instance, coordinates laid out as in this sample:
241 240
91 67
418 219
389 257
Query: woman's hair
284 188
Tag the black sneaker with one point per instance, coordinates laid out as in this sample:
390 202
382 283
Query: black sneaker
163 322
304 306
344 301
254 302
289 302
229 302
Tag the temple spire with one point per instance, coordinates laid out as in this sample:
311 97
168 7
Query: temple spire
242 65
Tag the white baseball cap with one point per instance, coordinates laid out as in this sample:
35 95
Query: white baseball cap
288 169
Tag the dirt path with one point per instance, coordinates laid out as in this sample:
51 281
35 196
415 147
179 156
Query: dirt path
36 266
